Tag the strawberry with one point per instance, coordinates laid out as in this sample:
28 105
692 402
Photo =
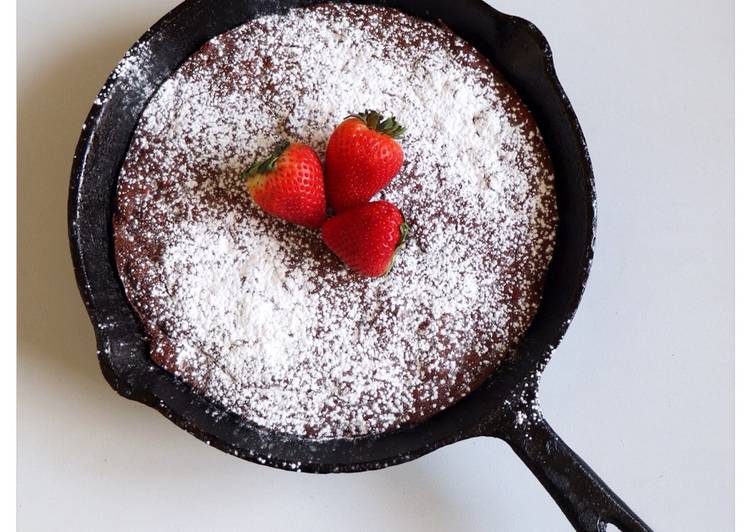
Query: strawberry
289 185
367 237
362 157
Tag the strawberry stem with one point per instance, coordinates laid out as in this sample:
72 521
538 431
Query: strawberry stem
403 232
375 121
268 164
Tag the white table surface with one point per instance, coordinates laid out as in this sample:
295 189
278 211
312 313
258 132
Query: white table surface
641 386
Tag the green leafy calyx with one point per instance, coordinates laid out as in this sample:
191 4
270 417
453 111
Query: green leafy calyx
375 121
264 166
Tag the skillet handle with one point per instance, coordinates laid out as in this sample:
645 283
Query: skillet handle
585 499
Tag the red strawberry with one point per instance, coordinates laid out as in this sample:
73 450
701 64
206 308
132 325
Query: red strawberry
362 157
367 237
289 185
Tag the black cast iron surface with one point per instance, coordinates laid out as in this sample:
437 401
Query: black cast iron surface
504 407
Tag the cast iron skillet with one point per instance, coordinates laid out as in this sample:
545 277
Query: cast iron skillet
504 407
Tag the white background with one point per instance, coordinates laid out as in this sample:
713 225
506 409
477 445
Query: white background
641 386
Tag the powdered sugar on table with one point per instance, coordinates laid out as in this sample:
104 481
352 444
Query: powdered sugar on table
256 313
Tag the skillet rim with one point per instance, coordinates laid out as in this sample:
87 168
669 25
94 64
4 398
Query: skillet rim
520 378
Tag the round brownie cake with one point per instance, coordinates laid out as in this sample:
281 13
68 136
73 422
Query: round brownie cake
257 313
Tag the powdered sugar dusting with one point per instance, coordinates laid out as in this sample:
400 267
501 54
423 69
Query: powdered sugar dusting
257 313
132 67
